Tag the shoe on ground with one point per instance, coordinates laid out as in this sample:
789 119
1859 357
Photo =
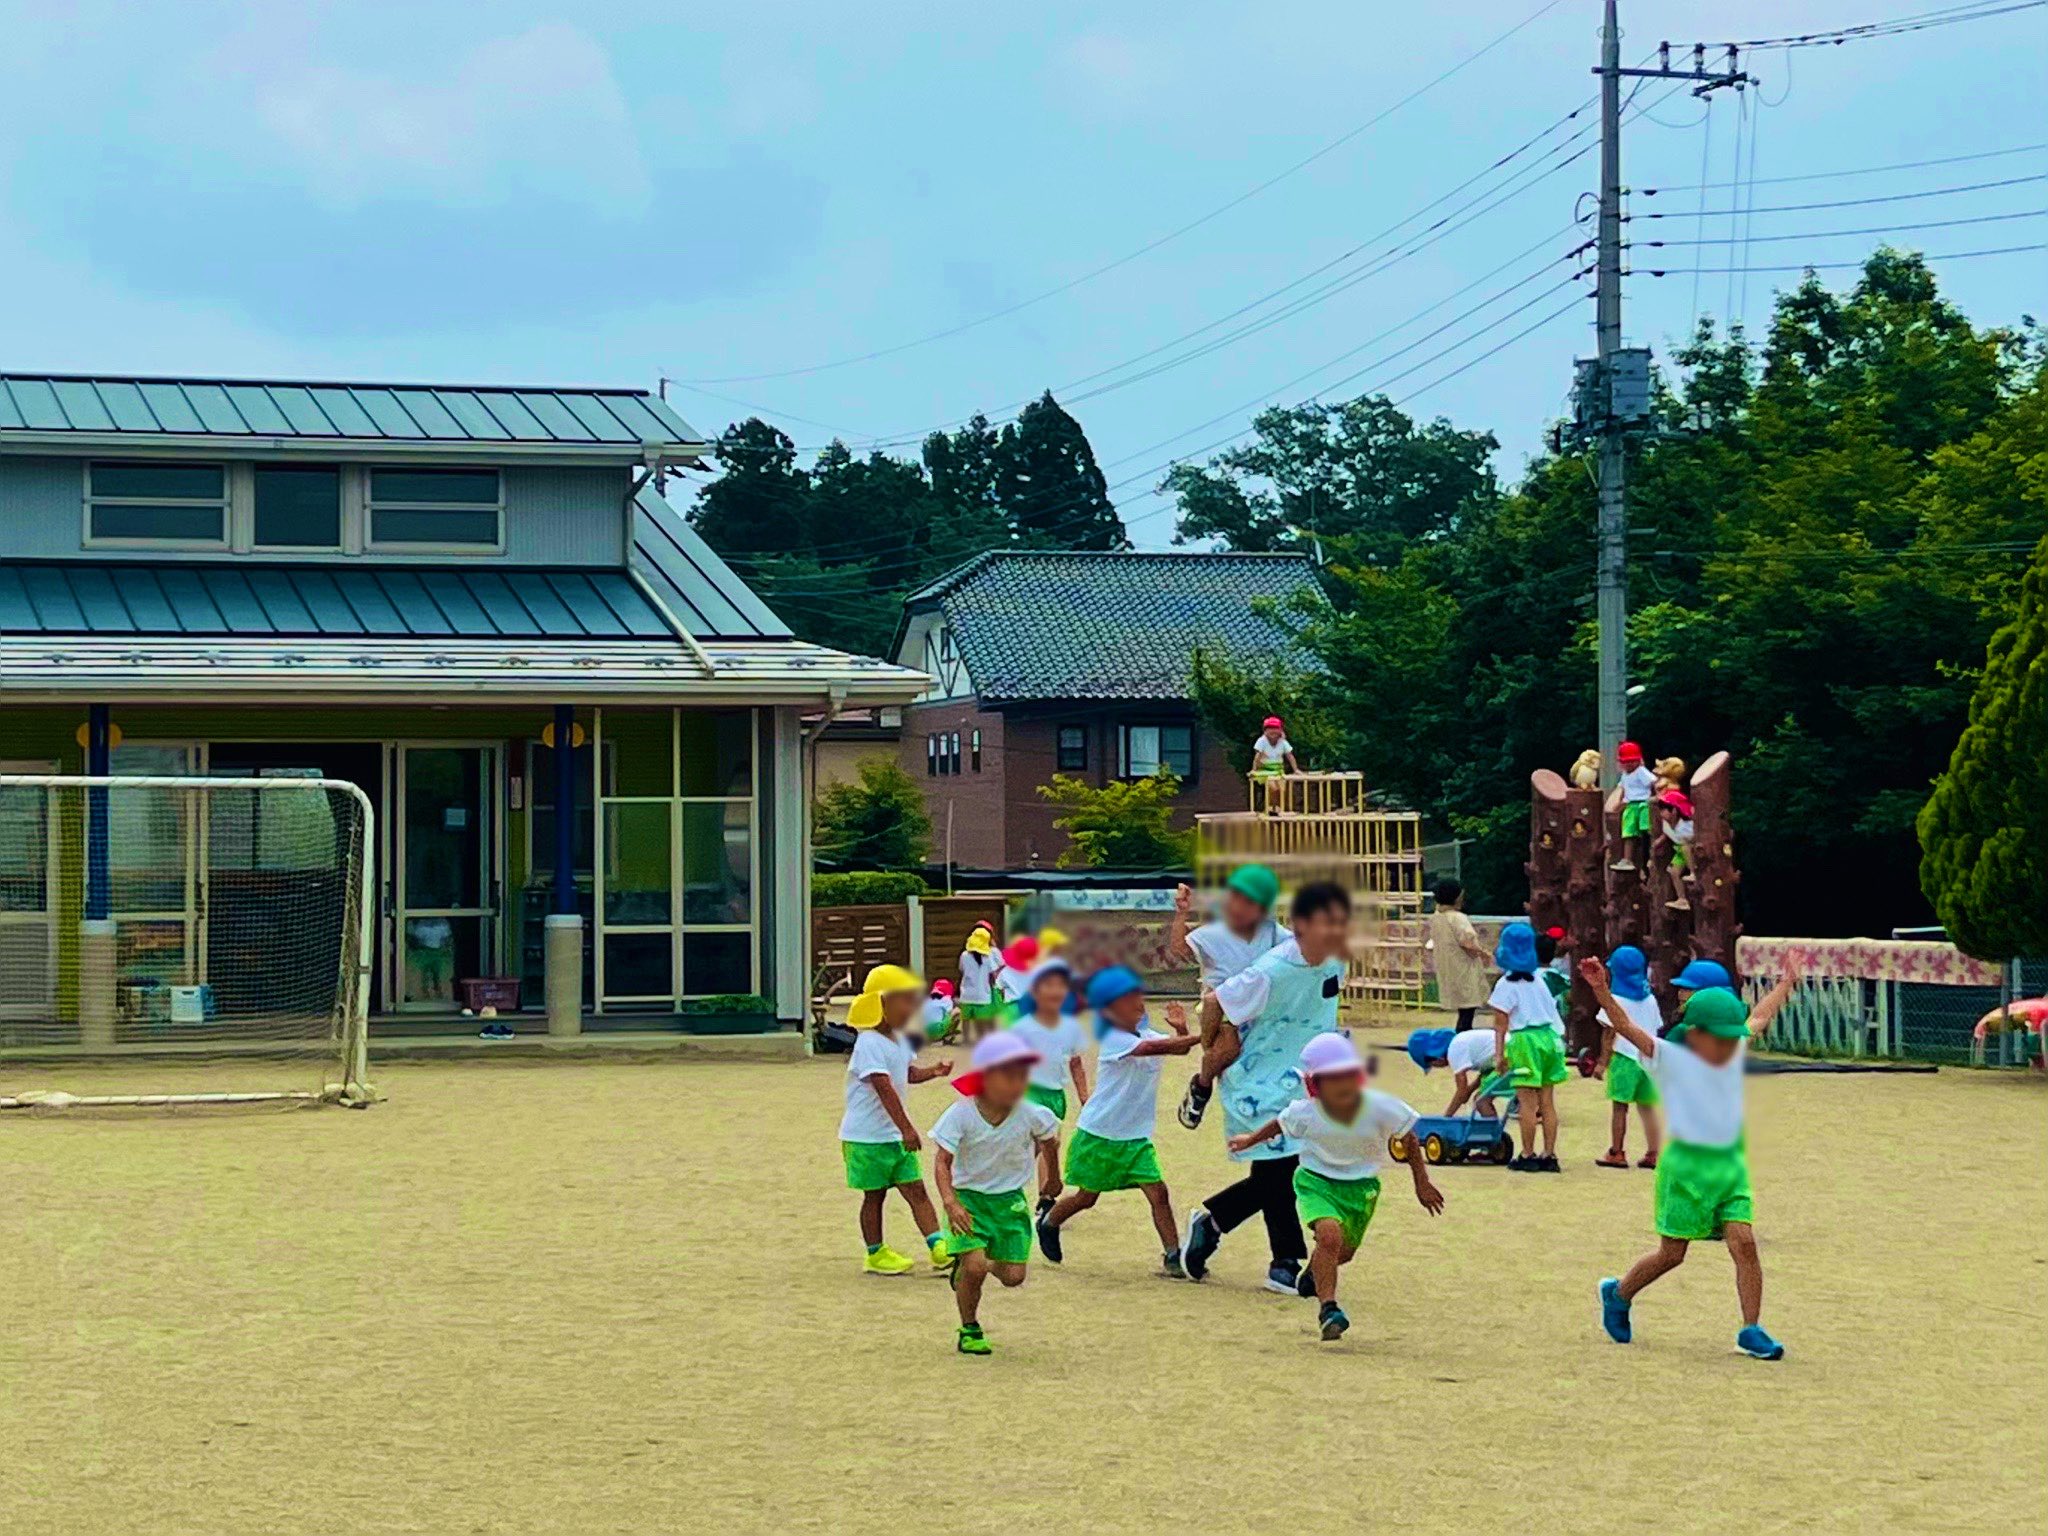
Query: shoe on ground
942 1257
1647 1160
1758 1345
1522 1163
1305 1284
970 1340
1614 1157
886 1261
1049 1241
1199 1243
1333 1320
1548 1163
1614 1312
1170 1265
1193 1103
1285 1279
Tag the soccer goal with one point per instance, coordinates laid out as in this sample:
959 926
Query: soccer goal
183 941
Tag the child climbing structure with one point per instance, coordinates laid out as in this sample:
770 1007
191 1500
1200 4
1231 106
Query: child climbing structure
1318 826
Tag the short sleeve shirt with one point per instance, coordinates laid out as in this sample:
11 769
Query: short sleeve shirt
874 1054
994 1159
1702 1103
1528 1004
1648 1017
1125 1103
1339 1151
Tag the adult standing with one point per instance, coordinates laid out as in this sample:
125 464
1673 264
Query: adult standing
1461 960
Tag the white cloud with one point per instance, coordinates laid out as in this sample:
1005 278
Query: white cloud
536 112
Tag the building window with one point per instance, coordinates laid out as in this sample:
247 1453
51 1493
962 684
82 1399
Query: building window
157 503
956 752
298 506
974 746
1072 755
931 757
440 508
1148 748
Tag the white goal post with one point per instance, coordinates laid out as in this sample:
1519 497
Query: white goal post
169 941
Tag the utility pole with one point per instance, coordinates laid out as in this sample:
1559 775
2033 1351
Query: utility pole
1608 415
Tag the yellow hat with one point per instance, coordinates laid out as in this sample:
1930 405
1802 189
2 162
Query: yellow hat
865 1012
979 943
1050 939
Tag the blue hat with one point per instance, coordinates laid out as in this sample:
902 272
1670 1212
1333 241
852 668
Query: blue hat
1426 1047
1703 973
1628 973
1516 951
1111 983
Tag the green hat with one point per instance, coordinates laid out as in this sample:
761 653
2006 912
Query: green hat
1255 883
1716 1010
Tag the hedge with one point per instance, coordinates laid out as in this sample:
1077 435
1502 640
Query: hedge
866 887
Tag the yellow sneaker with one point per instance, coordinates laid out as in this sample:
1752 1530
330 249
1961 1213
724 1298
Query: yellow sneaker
886 1261
942 1259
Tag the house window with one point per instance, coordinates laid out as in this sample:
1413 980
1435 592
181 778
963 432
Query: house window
974 746
1072 754
931 757
955 752
298 506
129 502
443 508
1148 748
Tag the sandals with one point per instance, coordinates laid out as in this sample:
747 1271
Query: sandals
1613 1158
1648 1160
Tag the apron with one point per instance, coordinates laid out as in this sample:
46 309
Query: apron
1266 1078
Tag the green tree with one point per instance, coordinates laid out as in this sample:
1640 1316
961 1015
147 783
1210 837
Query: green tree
1984 832
761 501
1050 489
1235 697
1125 824
878 821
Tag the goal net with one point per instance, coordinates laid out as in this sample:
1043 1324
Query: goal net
183 941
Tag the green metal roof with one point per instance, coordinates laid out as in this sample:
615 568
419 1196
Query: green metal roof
701 590
103 407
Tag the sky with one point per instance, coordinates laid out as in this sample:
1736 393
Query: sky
755 200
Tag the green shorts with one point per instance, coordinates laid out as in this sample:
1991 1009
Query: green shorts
1535 1057
1495 1085
1002 1226
1099 1165
1678 856
879 1164
1635 818
1628 1083
1701 1189
1348 1202
1054 1099
975 1012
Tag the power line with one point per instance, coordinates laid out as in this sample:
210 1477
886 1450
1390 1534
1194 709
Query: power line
1834 234
1851 202
1860 170
1832 266
1894 28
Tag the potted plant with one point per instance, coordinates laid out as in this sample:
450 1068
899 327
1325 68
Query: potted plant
728 1013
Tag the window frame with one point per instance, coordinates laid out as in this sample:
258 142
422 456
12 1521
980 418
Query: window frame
1060 763
974 747
226 503
371 506
342 509
1123 748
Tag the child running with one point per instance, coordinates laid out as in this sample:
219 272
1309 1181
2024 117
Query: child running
1222 949
876 1137
1344 1130
1054 1036
1528 1038
1621 1064
1112 1146
1703 1186
987 1145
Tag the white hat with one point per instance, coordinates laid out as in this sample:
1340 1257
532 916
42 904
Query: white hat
1001 1049
1329 1054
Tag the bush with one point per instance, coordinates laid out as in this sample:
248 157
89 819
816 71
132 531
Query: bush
729 1002
866 888
877 822
1126 824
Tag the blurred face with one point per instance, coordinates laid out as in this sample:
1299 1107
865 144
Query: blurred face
1242 915
1002 1087
1323 935
1273 733
1126 1011
1049 994
899 1008
1714 1050
1341 1093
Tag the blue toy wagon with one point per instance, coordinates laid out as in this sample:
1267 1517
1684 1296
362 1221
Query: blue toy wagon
1460 1139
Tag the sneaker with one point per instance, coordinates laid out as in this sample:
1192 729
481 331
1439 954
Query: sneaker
1284 1279
1333 1320
1680 905
1614 1312
942 1257
1622 866
1305 1284
1547 1163
1049 1241
970 1340
1193 1103
1758 1345
1044 1205
886 1261
1199 1243
1170 1265
1523 1163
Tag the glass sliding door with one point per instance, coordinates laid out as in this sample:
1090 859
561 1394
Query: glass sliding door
28 898
446 862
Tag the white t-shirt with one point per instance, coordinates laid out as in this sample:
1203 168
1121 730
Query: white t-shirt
1056 1044
1266 752
1223 954
1471 1051
976 973
1680 832
1528 1004
1244 996
1638 784
1353 1151
1016 985
1125 1103
873 1052
1649 1018
994 1159
1702 1104
937 1010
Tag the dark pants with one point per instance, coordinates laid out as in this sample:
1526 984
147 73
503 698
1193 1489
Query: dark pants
1267 1190
1465 1019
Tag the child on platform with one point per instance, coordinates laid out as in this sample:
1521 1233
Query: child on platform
1272 752
1112 1145
1344 1130
1055 1036
1703 1184
1621 1064
988 1144
1638 784
876 1138
979 966
1244 931
1528 1038
1674 826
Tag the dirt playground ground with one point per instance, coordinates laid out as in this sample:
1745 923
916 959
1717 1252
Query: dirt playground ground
596 1297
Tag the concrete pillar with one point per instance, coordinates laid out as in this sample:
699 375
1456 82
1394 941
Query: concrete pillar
563 962
96 1000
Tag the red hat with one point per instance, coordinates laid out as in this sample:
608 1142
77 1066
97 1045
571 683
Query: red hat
1020 952
942 988
1677 801
1273 723
1554 933
1629 752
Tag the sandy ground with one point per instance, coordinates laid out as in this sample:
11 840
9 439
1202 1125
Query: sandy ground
607 1297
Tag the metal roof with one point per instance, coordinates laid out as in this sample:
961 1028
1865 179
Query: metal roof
700 589
356 601
108 408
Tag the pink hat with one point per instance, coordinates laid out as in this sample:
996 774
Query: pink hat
1677 801
1273 723
1329 1056
1001 1049
942 988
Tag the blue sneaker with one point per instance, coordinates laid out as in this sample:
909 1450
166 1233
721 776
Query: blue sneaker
1333 1320
1284 1278
1614 1312
1199 1244
1758 1345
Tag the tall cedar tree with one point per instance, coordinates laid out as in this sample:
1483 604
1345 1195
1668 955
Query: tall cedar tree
1051 490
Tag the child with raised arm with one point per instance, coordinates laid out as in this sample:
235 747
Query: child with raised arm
1054 1035
1242 933
1703 1186
1528 1038
988 1143
1344 1130
1621 1064
876 1138
1112 1145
